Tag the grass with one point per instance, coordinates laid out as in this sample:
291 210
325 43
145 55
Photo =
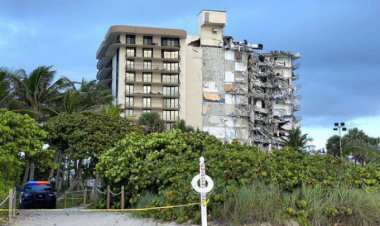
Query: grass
267 203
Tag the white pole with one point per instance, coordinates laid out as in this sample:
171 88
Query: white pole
202 172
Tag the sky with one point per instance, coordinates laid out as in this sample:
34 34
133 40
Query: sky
339 41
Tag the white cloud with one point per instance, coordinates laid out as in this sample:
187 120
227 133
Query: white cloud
370 125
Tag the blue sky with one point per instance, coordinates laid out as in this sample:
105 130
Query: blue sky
338 39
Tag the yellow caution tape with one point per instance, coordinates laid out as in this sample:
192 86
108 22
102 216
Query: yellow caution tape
122 210
144 209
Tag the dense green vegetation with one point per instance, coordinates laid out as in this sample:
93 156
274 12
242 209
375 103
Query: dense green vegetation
21 143
356 146
161 166
83 136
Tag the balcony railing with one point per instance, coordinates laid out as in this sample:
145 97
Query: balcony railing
154 67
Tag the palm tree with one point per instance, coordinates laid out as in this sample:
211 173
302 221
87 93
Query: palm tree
181 125
296 140
362 153
5 88
36 94
89 96
333 147
151 122
112 111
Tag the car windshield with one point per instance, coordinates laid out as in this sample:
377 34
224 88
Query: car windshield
37 188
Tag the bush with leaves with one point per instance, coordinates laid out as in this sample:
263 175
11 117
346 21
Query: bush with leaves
21 141
163 164
85 135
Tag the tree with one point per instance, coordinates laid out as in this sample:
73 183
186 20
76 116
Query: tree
36 94
296 140
112 111
356 145
362 153
20 143
88 96
151 122
83 136
332 146
5 88
358 136
181 125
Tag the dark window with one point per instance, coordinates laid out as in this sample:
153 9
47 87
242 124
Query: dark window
148 40
131 39
174 42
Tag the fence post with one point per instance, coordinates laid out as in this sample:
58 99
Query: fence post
65 200
84 197
122 198
108 197
14 201
10 206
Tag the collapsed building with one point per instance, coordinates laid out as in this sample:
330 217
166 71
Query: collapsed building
231 89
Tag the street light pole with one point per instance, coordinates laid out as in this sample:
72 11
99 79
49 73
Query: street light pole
340 127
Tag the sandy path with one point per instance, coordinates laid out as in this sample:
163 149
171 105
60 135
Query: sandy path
72 217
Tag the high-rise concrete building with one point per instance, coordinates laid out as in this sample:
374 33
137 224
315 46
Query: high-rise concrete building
231 89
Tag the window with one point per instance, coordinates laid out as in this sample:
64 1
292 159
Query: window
171 66
173 42
172 79
148 40
130 64
147 77
170 91
146 111
129 89
147 65
130 77
170 115
170 54
148 52
129 112
146 102
147 89
129 101
130 39
169 125
171 103
131 52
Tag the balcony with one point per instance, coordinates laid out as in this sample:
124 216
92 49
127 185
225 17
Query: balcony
152 83
104 73
155 59
154 68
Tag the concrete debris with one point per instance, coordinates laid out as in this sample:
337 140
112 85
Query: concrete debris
228 88
211 96
258 90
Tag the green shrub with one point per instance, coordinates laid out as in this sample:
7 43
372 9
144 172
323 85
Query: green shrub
163 164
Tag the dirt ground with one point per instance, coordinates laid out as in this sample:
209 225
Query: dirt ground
72 217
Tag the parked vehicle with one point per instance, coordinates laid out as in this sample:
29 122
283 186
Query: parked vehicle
37 194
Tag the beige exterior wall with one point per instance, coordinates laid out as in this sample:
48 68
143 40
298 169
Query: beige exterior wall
191 84
210 27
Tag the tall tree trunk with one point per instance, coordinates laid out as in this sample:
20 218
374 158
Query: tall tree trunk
32 169
77 182
26 173
57 156
58 178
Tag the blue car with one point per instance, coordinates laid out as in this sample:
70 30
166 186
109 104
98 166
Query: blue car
37 194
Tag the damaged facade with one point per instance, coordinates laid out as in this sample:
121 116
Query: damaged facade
228 88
